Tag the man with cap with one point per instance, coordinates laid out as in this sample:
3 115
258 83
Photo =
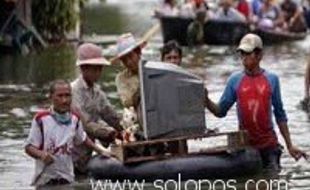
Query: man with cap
127 81
256 91
100 119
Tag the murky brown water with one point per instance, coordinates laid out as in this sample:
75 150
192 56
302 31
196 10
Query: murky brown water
23 78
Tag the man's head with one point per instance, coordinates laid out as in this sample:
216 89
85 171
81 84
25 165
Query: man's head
129 51
60 95
91 62
250 49
226 4
171 53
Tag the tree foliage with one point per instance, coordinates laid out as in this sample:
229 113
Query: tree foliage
54 18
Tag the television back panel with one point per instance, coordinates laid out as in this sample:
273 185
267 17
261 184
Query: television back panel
172 101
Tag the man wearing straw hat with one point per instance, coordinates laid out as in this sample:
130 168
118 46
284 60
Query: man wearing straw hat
127 82
257 93
100 119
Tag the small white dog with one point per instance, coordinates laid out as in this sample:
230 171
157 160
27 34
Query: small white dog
129 124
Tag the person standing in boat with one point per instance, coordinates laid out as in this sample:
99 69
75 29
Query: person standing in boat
227 12
195 30
52 136
127 82
191 7
256 91
293 16
171 52
99 117
167 8
270 16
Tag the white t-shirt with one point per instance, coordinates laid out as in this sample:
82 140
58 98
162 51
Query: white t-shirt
59 139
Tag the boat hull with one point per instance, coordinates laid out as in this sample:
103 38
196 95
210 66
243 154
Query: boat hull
223 166
271 36
215 32
222 32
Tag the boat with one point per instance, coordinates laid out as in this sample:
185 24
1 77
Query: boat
245 162
216 32
278 36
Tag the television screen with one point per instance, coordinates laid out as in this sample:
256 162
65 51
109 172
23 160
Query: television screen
172 101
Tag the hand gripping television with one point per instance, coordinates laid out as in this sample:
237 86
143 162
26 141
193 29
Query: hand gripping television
172 101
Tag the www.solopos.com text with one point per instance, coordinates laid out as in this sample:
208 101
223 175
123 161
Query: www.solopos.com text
190 184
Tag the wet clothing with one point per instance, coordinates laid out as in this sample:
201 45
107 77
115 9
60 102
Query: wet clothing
255 96
48 134
93 103
96 110
271 158
127 85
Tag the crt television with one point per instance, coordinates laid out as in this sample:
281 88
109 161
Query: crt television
172 101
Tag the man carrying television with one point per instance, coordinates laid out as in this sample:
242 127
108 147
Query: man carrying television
256 91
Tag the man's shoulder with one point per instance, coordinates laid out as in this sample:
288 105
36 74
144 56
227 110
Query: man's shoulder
42 114
270 75
76 83
236 75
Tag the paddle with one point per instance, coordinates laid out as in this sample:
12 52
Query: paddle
146 37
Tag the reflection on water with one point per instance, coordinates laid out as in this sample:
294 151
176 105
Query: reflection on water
39 67
23 85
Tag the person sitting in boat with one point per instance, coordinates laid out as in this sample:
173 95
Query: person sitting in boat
227 12
167 8
171 52
244 8
191 7
195 32
256 91
52 136
269 16
293 16
99 118
256 6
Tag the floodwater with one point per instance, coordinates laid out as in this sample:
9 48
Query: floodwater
23 81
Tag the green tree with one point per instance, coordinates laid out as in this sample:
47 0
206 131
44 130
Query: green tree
54 18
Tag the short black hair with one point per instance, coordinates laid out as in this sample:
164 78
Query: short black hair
57 82
171 45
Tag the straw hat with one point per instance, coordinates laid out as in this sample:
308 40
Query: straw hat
90 54
126 43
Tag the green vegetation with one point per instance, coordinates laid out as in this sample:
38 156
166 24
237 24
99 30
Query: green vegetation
55 18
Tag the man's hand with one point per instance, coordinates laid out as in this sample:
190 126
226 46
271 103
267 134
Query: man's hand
297 154
106 134
47 158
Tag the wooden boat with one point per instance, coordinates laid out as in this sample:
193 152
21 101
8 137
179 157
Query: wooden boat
215 32
236 159
218 32
276 36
